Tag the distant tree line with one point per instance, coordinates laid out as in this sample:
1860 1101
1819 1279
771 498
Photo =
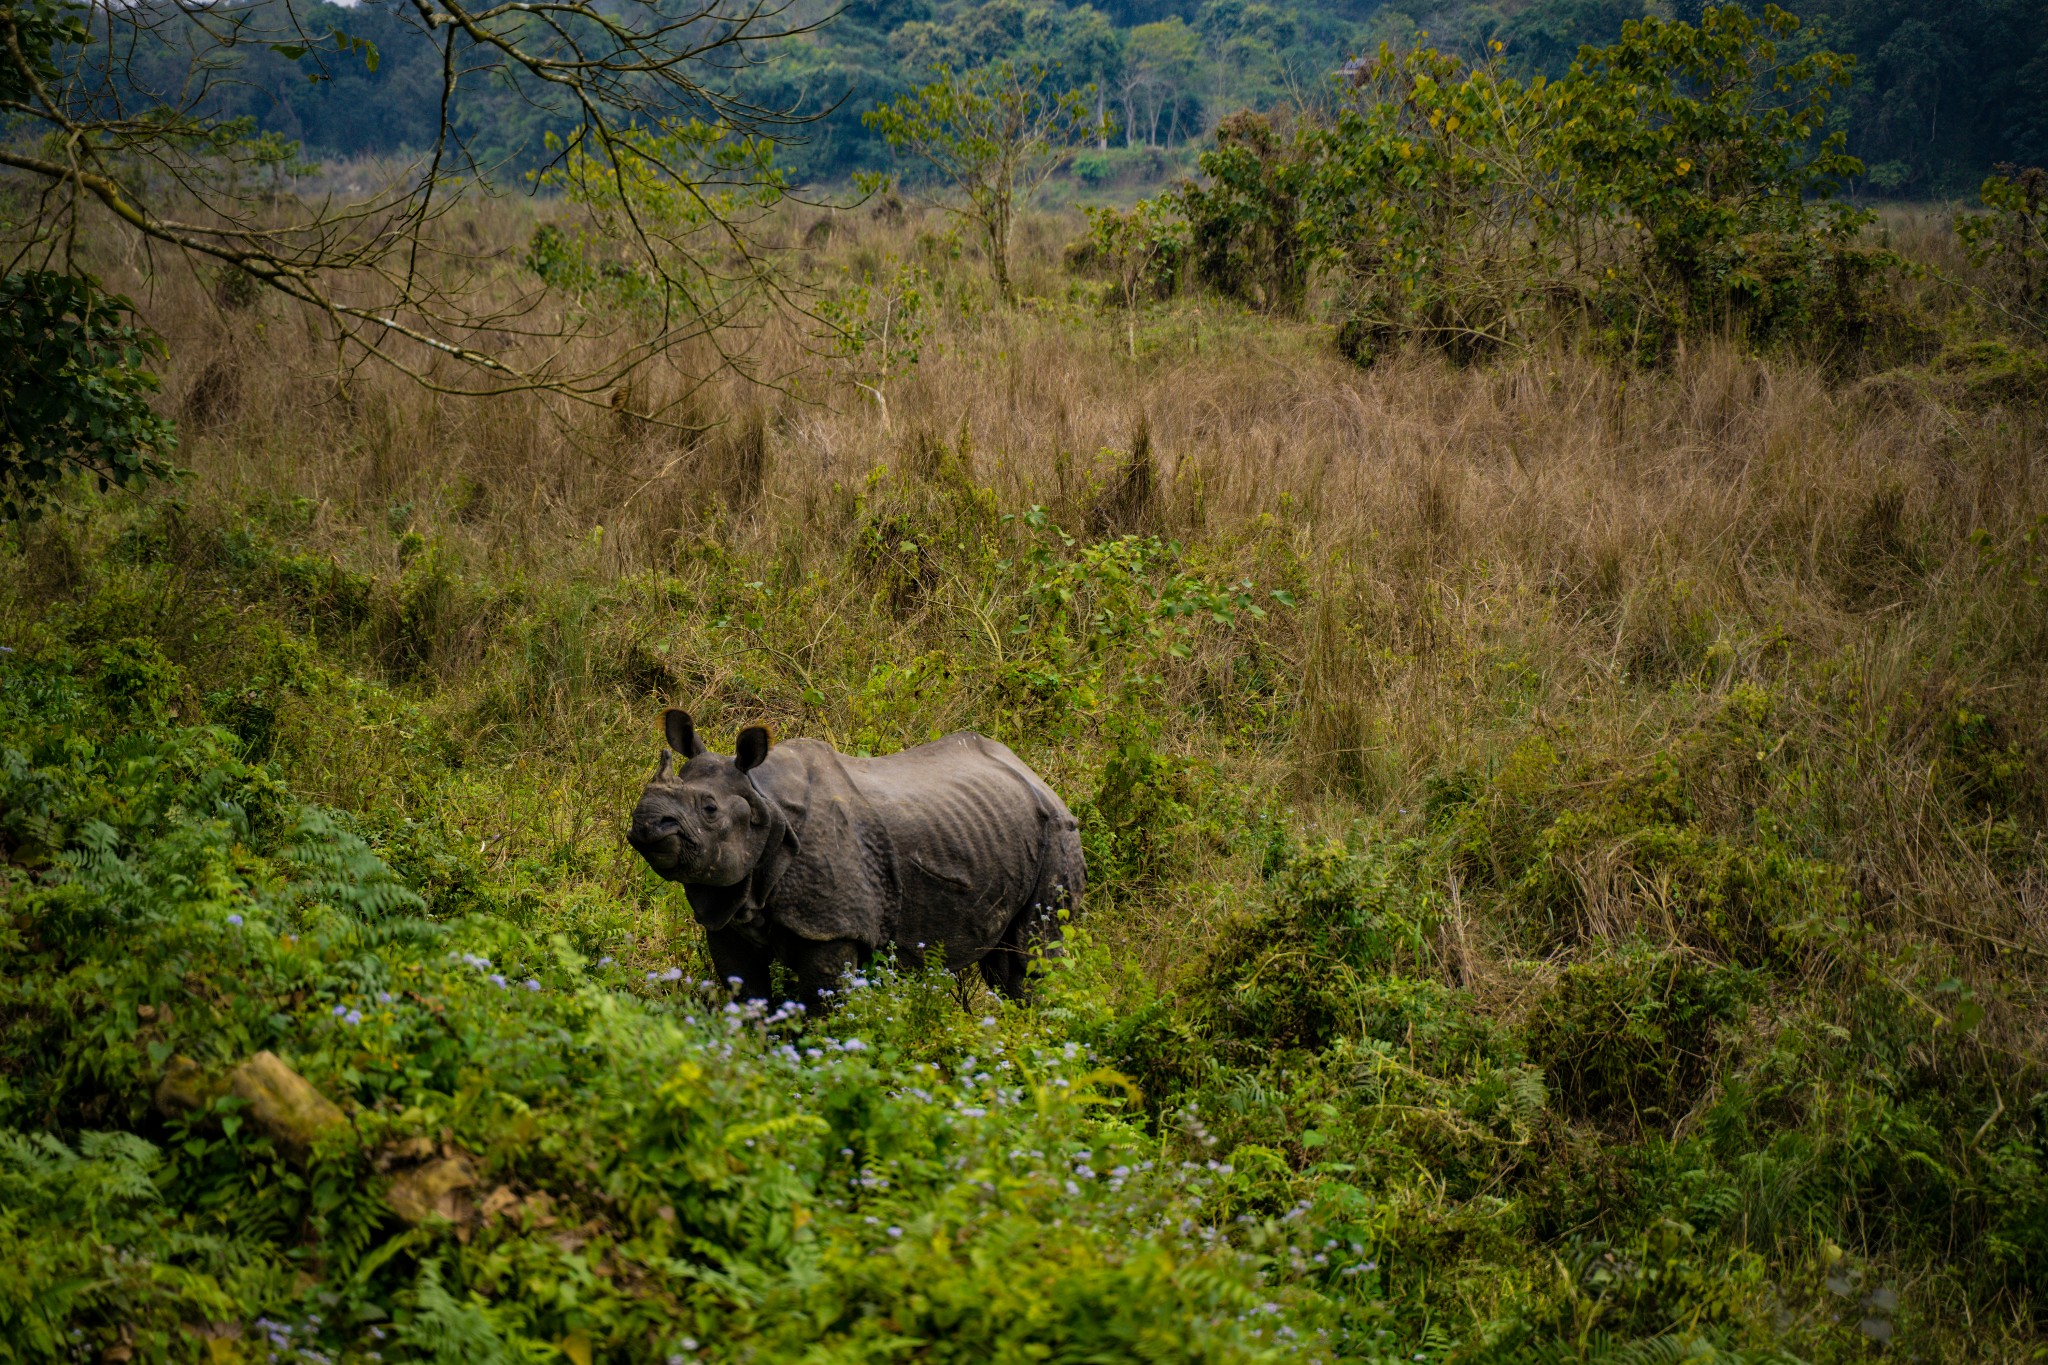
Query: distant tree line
1942 89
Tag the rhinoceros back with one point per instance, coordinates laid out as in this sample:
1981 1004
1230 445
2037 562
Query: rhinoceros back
950 845
979 841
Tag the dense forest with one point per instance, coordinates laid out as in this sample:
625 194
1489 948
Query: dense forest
1942 92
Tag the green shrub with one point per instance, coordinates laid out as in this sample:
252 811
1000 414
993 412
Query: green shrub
1633 1034
2010 239
1131 825
1244 224
1305 966
1442 205
1673 184
1715 152
74 390
1590 855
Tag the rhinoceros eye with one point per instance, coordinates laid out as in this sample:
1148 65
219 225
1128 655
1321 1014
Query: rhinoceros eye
710 808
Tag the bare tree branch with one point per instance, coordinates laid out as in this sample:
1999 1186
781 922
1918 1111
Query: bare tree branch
80 117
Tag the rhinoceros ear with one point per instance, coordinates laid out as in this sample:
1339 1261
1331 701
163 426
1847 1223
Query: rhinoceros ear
752 748
681 733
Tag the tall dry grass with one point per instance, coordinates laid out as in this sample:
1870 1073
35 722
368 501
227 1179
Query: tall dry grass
1546 550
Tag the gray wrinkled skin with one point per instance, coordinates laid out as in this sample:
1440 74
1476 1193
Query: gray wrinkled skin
803 855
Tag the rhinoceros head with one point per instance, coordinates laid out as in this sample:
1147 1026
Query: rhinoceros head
704 823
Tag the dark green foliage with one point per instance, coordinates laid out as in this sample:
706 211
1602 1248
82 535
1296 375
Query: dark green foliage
74 391
1244 224
106 1188
362 83
1671 184
2010 239
1719 153
35 28
1942 91
1301 971
1632 1036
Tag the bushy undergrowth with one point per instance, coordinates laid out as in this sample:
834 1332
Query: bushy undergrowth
1566 849
653 1170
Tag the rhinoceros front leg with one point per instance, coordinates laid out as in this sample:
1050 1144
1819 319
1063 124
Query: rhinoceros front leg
742 962
821 968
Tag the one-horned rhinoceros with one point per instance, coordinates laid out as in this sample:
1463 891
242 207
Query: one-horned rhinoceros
801 854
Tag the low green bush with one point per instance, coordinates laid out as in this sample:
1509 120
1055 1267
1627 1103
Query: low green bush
2009 240
1633 1033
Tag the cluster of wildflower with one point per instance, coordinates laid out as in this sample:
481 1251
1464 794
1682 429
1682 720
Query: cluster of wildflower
352 1015
1261 1320
290 1345
498 979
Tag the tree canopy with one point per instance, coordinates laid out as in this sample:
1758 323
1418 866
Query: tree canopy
1942 92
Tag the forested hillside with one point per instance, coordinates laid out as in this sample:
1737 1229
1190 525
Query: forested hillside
1942 91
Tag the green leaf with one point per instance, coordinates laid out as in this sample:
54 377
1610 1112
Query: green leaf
348 42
